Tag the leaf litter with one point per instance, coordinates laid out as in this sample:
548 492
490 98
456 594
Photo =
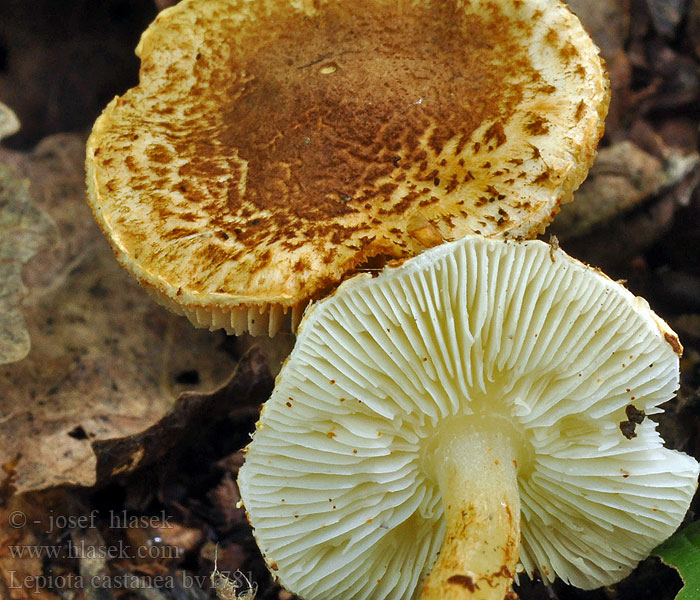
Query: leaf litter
104 359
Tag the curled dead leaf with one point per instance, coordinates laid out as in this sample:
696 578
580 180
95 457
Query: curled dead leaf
105 361
251 382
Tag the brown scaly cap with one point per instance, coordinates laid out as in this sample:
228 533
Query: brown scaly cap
272 148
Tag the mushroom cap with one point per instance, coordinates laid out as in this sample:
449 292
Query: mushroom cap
334 481
274 147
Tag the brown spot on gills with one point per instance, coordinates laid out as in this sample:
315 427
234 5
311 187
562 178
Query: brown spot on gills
627 428
634 415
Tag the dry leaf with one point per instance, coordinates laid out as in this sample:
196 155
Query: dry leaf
105 360
23 229
251 383
622 177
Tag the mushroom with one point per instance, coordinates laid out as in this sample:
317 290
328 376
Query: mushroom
273 148
464 411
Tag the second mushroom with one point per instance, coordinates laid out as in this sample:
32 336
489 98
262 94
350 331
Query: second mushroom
273 148
463 414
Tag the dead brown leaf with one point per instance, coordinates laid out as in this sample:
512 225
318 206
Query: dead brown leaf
23 230
105 360
249 385
72 540
622 177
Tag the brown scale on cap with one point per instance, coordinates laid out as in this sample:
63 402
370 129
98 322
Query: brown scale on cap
270 151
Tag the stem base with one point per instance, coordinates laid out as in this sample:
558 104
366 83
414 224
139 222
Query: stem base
477 475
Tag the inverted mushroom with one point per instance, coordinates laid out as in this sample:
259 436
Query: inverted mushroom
273 147
475 401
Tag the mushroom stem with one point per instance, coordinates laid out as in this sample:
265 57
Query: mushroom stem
477 475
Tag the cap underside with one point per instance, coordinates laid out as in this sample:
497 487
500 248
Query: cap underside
334 483
272 147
